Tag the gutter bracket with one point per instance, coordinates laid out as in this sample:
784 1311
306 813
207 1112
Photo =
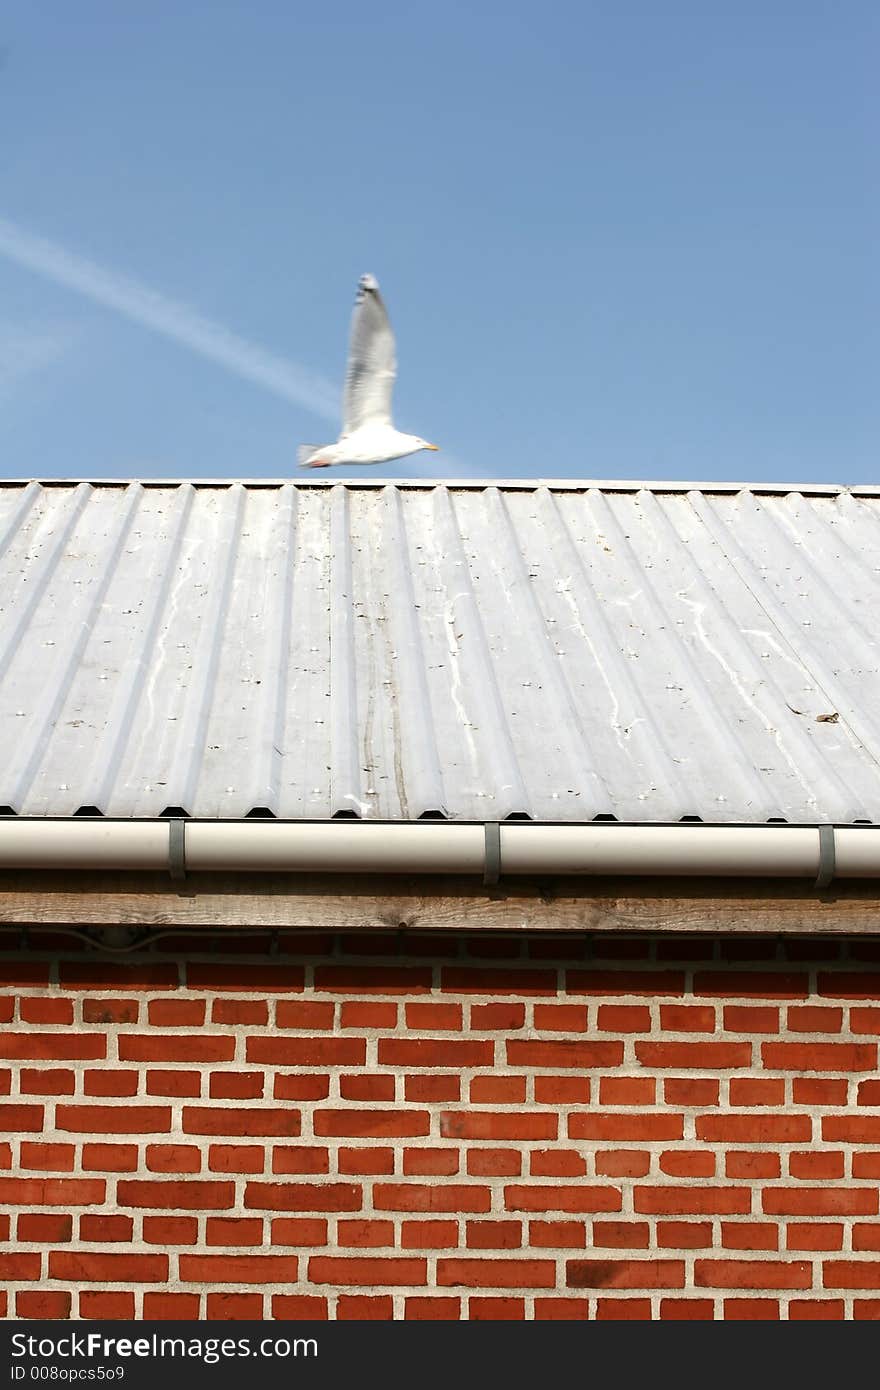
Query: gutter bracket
177 848
827 857
492 853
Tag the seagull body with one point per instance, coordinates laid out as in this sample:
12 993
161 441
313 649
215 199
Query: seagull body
368 434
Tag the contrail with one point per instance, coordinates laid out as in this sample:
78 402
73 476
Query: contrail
176 321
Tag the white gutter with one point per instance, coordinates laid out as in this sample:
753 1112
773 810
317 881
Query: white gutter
438 847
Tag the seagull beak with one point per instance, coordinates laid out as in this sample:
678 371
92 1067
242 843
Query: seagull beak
435 447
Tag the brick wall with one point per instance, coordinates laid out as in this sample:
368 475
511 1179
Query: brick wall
458 1128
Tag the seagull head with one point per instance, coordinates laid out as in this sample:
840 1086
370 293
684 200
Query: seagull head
423 444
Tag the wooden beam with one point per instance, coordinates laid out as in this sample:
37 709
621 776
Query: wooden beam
347 903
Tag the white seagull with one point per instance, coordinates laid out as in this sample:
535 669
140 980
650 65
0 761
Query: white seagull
368 434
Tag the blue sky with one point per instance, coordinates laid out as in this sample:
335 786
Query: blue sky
632 239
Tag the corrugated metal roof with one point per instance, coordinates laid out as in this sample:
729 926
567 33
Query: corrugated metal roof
645 652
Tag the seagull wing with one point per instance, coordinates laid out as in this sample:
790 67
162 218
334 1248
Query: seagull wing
369 378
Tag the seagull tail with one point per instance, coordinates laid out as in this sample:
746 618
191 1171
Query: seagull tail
305 452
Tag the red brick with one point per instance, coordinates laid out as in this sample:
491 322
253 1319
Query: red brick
271 978
561 1309
367 1270
110 1010
653 982
749 1235
47 1157
304 1013
427 1235
432 1309
493 1235
494 1163
684 1235
627 1090
449 1197
300 1158
496 1309
821 1201
232 1085
361 1234
623 1310
307 1052
278 1196
104 1267
496 1274
439 1052
299 1230
299 1307
751 1310
46 1081
170 1230
239 1269
235 1307
367 1087
624 1018
561 1018
754 1129
111 1306
690 1090
866 1165
687 1018
117 1119
174 1083
176 1013
557 1235
864 1020
498 1090
815 1310
749 1090
539 1197
432 1088
622 1163
687 1309
51 1192
46 1227
45 1304
432 1018
109 1158
814 1235
45 1011
175 1047
814 1056
105 1227
20 1266
557 1163
562 1090
700 1055
173 1158
746 1018
752 984
696 1201
364 1308
851 1274
113 1082
639 1128
431 1161
247 1122
753 1274
851 1129
490 1017
489 1124
302 1087
560 1053
374 979
255 1011
869 1093
621 1235
53 1047
753 1165
810 1090
688 1163
357 1014
624 1274
171 1307
850 984
185 1194
236 1158
811 1018
98 974
378 1124
816 1165
496 980
866 1309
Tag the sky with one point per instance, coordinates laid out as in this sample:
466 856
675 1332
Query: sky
629 239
